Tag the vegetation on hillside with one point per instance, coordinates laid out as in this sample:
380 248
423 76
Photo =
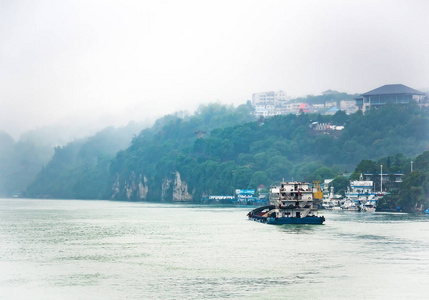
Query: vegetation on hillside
222 148
19 163
327 96
412 194
80 169
414 191
250 154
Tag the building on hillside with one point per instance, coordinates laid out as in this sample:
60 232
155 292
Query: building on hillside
389 94
331 111
317 107
360 190
349 106
269 98
245 196
390 179
304 108
295 108
325 186
266 110
330 103
269 104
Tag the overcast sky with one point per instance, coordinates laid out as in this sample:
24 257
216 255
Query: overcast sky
109 62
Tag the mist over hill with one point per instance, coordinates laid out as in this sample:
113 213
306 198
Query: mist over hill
23 159
20 161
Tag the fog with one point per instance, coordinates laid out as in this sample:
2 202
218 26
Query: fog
99 63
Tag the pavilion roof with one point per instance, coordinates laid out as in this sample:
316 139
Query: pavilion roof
391 89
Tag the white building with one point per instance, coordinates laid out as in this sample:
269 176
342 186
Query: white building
326 183
349 106
361 186
269 104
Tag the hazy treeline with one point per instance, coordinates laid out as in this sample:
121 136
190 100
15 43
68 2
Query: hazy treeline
80 168
221 148
327 96
20 162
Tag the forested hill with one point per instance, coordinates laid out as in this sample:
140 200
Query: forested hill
175 164
80 169
20 161
327 96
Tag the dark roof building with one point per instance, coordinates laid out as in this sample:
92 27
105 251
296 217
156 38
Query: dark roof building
389 94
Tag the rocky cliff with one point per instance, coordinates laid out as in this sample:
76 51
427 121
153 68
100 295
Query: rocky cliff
180 189
136 188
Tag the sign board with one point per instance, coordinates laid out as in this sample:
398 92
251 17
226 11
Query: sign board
244 192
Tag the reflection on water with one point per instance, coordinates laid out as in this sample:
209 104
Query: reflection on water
297 229
114 250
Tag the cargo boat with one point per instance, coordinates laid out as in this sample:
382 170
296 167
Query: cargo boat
290 203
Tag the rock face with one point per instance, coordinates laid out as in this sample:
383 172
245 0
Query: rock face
180 190
116 188
142 188
165 189
173 188
133 188
130 185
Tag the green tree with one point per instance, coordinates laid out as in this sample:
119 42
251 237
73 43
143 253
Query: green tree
321 174
364 166
258 178
340 184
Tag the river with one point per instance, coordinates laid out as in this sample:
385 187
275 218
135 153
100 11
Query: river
70 249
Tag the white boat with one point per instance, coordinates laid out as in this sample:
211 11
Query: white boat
360 196
331 201
350 205
369 205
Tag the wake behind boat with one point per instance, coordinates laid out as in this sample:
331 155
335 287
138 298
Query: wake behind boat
290 203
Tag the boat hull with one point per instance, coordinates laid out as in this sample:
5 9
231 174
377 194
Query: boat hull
282 221
307 220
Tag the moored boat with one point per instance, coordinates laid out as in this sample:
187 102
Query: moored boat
331 201
290 203
361 194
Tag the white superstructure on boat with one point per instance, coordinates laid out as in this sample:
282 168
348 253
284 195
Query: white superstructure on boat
290 203
361 193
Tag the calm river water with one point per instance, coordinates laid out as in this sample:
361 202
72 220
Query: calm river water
67 249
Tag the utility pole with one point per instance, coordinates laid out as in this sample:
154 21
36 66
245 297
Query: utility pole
381 179
411 166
